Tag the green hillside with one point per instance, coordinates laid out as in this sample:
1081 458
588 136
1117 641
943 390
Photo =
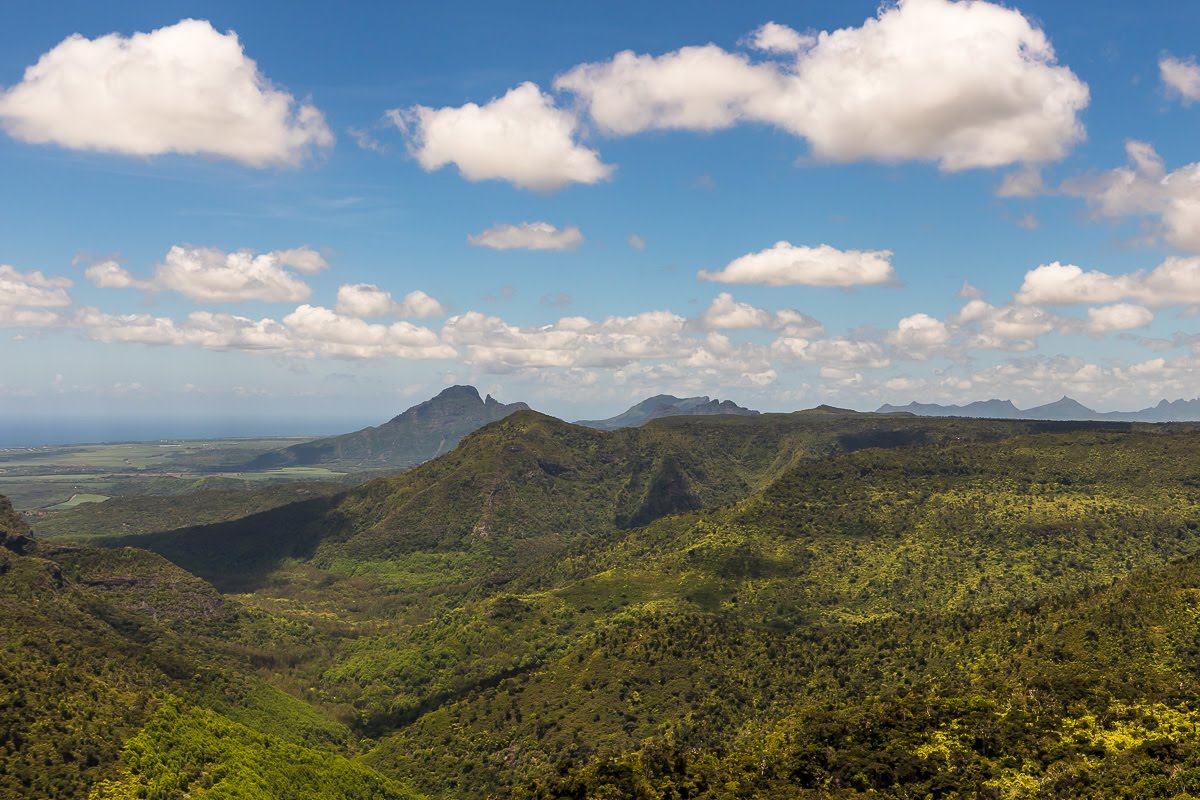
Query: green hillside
821 604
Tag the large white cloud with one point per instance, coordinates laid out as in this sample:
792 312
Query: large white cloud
965 84
494 344
787 264
1146 188
309 331
319 331
1182 78
522 138
528 236
184 88
207 274
1176 281
367 300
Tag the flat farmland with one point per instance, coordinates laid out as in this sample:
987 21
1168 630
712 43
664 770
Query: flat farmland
63 476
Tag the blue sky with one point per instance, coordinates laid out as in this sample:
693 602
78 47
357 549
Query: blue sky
205 233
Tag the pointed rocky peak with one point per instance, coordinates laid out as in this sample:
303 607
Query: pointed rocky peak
460 392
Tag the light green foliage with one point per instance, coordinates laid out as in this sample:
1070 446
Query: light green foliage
193 752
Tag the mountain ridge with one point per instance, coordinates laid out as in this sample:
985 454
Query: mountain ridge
667 405
1064 409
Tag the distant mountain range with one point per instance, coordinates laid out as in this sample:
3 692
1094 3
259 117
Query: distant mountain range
425 431
1063 409
434 427
429 429
666 405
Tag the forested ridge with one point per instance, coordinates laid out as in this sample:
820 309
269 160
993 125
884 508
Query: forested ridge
823 604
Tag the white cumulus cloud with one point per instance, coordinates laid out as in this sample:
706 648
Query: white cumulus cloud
522 138
1146 188
528 236
840 353
309 331
1176 281
32 288
965 84
184 88
725 313
1181 77
919 335
787 264
773 37
1118 317
207 274
366 300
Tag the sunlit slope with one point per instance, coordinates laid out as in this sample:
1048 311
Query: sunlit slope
115 664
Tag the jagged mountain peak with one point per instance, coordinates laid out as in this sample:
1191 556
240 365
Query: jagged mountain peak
667 405
424 431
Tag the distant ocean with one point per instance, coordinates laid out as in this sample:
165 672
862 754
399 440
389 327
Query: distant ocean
32 432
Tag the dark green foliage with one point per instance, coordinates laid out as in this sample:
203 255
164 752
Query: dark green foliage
10 521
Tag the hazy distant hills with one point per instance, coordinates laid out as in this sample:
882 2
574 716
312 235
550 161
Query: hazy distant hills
424 431
1063 409
665 405
435 427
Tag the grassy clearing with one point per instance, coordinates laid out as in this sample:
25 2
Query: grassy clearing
292 473
81 499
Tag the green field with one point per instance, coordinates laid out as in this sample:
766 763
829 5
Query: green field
80 499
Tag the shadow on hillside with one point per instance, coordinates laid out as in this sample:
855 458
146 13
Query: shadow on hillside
237 556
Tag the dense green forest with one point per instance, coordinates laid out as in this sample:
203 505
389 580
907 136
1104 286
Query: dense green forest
821 604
